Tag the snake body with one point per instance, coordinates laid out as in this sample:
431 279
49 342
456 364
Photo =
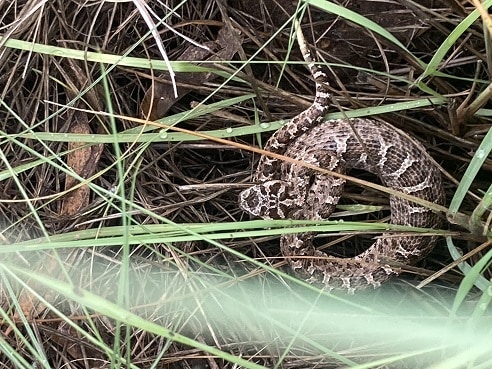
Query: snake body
289 191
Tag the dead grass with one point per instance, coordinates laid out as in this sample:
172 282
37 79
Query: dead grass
93 281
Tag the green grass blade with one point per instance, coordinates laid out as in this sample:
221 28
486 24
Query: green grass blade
450 41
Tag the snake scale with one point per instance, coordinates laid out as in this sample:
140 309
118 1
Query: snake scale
288 191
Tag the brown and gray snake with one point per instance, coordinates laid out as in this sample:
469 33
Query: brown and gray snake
288 191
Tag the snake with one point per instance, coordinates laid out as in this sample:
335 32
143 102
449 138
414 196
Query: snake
285 190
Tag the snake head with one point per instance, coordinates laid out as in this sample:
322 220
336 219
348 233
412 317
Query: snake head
268 200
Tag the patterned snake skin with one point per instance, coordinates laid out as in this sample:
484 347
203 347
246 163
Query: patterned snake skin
287 191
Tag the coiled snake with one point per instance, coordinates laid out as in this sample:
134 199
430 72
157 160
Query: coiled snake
288 191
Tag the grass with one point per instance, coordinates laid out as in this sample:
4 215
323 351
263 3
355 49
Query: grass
160 267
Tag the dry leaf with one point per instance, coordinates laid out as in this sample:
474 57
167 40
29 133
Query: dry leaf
159 98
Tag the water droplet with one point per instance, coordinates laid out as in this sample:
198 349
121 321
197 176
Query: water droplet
163 134
65 135
480 154
229 130
265 125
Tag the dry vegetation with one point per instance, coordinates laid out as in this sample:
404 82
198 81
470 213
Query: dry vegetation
95 272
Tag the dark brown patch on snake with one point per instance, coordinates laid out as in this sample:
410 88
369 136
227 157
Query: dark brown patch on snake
287 191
